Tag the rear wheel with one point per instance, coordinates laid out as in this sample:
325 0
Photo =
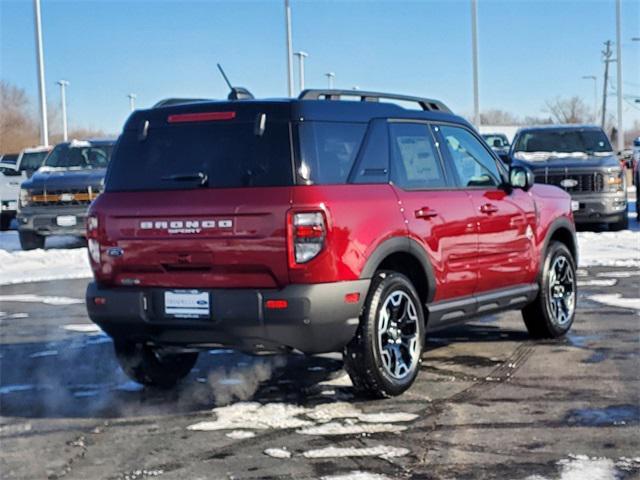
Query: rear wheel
622 224
383 358
151 366
30 240
551 314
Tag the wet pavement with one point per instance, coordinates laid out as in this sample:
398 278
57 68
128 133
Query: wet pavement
489 402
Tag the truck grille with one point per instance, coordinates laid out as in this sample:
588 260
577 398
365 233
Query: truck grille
586 182
64 197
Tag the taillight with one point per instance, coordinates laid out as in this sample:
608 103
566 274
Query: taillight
307 233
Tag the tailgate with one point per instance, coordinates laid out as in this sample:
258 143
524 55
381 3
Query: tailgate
202 238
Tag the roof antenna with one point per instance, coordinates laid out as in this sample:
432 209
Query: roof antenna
236 93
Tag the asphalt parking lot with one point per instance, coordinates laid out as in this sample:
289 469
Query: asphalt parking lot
489 403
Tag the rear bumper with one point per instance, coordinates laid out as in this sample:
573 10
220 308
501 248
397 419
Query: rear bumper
317 319
600 207
44 220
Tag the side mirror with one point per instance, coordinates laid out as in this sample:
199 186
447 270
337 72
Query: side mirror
521 177
506 159
497 143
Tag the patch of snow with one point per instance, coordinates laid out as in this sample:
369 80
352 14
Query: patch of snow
357 475
278 453
130 386
621 274
252 415
343 381
82 328
381 451
30 298
617 300
583 467
335 428
240 434
43 265
614 249
598 282
44 353
15 388
387 417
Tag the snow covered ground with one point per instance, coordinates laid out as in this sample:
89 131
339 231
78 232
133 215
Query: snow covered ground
64 257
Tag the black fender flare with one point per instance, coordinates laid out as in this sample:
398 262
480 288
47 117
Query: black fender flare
561 223
401 245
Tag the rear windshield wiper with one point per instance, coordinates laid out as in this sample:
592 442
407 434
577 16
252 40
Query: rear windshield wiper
200 177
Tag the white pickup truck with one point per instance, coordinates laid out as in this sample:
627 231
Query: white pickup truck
14 169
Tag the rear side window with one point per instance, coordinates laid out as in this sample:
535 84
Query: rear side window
33 160
328 150
180 156
415 162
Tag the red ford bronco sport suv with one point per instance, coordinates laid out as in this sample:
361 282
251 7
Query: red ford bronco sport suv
318 225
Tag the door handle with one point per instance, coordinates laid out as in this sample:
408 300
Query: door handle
426 213
488 208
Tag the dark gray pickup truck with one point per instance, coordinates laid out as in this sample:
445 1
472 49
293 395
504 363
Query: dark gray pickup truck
54 201
580 160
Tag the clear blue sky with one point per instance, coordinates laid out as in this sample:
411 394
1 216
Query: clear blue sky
530 51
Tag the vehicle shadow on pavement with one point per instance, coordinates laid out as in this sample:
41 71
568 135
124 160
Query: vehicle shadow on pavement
80 378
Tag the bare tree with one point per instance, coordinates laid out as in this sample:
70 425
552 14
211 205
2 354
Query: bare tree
568 110
17 127
498 117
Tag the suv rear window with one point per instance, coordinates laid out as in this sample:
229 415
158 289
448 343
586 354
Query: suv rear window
229 155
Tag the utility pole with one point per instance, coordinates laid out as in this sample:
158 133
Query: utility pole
301 56
330 76
63 103
474 48
287 19
44 127
132 101
595 95
606 53
619 75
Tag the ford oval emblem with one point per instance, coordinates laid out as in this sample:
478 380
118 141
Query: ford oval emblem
569 182
202 302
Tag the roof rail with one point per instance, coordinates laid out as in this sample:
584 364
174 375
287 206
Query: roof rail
425 103
177 101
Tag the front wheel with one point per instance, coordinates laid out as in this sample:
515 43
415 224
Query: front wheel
151 366
551 314
30 240
383 358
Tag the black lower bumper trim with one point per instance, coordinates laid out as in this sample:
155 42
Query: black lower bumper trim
316 320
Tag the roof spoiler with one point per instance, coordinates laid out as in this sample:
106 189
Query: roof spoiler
428 104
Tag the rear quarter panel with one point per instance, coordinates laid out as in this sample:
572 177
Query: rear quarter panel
359 219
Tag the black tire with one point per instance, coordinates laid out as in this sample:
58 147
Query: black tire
548 316
30 240
5 223
148 366
364 360
622 224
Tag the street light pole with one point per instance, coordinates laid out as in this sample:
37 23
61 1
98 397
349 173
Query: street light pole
301 56
44 127
619 75
63 103
132 101
287 15
595 95
330 76
474 48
